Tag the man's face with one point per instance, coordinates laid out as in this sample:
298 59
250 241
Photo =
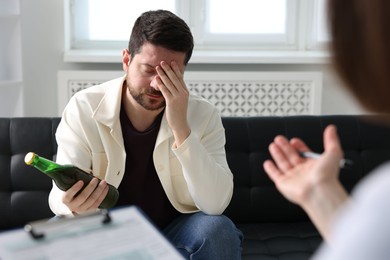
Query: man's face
141 75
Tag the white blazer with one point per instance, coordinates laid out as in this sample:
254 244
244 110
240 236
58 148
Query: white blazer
195 175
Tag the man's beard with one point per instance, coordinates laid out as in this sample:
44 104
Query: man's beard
143 100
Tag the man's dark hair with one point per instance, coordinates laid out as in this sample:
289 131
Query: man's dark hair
161 28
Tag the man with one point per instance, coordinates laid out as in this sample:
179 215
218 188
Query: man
161 147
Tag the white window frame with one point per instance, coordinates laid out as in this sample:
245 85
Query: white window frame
207 41
312 42
297 46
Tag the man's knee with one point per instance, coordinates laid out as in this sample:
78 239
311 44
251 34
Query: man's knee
216 227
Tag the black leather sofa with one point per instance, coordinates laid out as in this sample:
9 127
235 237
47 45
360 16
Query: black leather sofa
273 227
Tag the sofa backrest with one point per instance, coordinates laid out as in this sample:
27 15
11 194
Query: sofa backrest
24 191
255 197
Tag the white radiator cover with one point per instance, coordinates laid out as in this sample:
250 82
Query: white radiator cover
233 93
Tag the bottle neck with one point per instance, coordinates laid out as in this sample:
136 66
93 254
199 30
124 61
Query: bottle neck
44 164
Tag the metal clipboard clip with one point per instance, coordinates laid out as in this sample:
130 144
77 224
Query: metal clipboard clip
68 226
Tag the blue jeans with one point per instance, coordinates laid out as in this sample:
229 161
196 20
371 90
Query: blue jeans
201 236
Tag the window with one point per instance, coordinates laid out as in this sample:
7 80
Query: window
217 25
107 24
254 24
318 35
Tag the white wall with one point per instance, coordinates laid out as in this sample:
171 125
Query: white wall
42 50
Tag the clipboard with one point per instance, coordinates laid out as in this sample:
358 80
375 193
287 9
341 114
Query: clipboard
123 233
65 226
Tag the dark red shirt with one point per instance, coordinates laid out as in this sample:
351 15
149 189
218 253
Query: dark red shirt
140 185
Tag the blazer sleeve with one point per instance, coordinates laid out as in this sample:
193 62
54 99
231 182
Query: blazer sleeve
204 165
72 149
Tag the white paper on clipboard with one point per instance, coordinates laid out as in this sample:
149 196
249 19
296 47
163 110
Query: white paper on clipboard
123 234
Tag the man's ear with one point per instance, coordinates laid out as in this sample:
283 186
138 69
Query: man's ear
126 59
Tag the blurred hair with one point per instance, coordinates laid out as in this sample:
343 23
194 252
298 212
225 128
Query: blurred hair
161 28
360 32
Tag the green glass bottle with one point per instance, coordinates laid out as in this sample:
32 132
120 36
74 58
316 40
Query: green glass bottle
65 176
